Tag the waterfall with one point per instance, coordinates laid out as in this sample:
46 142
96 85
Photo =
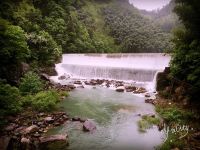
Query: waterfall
139 67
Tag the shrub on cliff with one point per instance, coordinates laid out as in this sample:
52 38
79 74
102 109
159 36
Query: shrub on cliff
30 83
9 99
45 101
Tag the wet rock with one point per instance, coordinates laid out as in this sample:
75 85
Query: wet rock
150 101
89 126
53 142
76 118
11 127
82 120
45 77
161 125
41 114
119 84
147 95
140 90
62 77
120 89
130 88
4 141
40 123
36 135
77 82
25 140
31 129
58 123
71 86
49 120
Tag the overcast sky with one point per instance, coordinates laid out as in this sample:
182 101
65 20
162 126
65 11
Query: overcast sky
149 4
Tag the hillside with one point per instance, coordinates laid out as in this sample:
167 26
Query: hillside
165 17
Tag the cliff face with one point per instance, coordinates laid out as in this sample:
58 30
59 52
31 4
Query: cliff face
174 89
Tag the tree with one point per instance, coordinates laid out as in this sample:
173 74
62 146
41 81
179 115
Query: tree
185 63
13 49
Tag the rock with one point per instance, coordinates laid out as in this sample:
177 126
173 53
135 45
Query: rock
71 86
57 123
150 101
120 89
49 120
147 95
31 129
36 135
11 127
88 126
119 84
180 90
140 90
77 82
63 77
45 77
76 118
82 120
53 142
161 125
25 140
130 88
4 141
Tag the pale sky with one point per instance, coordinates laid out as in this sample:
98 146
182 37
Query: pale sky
149 4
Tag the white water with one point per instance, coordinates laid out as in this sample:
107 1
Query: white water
140 67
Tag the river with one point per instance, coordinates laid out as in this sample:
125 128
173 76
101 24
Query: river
115 114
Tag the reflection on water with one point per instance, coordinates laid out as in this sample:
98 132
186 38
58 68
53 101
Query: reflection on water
115 115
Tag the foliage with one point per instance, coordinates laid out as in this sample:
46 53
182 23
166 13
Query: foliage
13 49
45 101
186 57
147 122
132 31
174 114
9 99
165 17
30 83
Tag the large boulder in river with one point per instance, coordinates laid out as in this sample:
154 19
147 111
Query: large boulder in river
54 142
120 89
89 126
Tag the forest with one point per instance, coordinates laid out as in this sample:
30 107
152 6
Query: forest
35 33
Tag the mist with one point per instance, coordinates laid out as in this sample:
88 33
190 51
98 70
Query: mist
149 5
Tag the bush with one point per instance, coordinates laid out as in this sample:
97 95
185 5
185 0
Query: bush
45 101
9 99
30 83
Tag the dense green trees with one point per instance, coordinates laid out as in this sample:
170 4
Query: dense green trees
185 64
133 32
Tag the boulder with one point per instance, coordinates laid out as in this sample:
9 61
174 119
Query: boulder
130 88
71 86
78 82
53 142
120 89
89 126
63 77
31 129
11 127
45 77
76 118
25 140
49 120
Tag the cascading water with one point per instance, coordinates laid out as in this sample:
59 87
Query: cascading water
140 67
115 114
